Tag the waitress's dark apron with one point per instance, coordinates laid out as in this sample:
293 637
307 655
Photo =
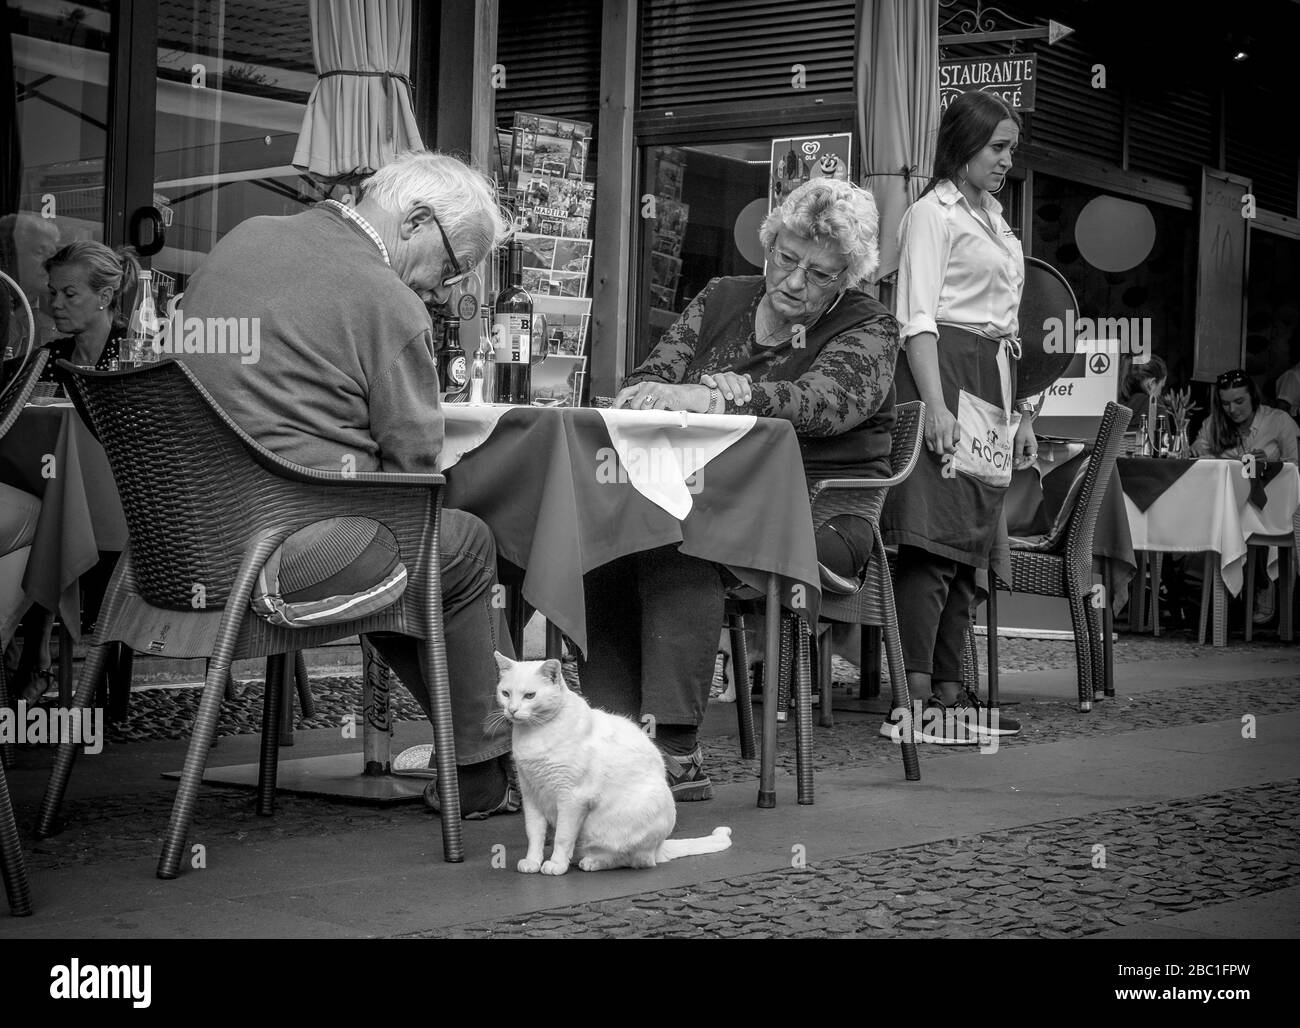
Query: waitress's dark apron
954 516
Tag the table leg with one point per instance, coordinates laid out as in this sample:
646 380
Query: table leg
1107 630
376 718
1220 605
771 663
554 642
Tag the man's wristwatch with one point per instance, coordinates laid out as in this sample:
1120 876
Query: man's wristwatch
1027 408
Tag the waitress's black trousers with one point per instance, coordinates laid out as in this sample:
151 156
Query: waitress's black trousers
933 596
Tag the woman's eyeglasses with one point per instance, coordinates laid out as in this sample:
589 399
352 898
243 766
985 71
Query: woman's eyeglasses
1231 379
788 262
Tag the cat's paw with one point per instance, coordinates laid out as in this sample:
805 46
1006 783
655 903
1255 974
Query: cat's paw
593 864
528 867
555 867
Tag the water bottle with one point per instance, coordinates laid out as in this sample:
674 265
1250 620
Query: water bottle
477 374
143 325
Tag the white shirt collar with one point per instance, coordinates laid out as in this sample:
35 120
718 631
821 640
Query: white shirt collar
351 215
949 194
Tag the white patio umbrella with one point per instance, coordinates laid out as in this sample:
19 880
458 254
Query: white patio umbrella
897 84
359 114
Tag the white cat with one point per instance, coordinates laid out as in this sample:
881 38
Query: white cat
595 776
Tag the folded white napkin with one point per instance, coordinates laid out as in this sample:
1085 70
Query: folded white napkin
659 450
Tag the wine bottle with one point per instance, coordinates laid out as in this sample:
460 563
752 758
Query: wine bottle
512 332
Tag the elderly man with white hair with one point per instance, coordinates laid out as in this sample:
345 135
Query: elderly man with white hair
800 342
346 380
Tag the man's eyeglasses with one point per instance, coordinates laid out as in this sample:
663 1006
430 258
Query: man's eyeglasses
787 262
1231 379
461 273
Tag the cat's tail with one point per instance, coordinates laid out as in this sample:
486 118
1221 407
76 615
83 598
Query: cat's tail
671 849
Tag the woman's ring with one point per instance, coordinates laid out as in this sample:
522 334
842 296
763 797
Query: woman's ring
649 401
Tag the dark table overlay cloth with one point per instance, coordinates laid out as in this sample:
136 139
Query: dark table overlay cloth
49 452
541 482
1146 479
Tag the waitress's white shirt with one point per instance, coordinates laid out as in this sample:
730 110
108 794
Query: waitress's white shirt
953 271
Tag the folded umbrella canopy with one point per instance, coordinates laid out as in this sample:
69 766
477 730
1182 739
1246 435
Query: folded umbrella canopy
897 85
360 114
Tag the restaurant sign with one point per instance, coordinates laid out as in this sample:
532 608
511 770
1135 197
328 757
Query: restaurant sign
1012 79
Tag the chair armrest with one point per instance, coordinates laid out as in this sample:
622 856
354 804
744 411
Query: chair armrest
298 473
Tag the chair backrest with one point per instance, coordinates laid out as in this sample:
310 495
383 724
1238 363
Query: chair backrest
20 388
1101 464
908 435
194 486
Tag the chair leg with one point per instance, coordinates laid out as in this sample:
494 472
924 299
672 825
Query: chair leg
784 671
901 696
992 644
554 642
65 665
303 683
1137 596
803 710
1206 596
1082 644
1250 592
1219 624
47 821
214 689
1286 579
1107 640
744 688
120 669
771 673
435 652
12 867
7 749
1157 560
1097 650
825 683
272 714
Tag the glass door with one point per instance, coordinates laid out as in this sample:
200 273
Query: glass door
233 77
54 139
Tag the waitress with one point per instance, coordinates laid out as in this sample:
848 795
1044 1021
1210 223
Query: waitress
960 276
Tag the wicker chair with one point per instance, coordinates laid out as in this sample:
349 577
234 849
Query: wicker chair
1064 568
867 603
207 504
13 869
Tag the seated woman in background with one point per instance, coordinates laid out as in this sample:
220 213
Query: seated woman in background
1141 382
92 291
800 343
1240 424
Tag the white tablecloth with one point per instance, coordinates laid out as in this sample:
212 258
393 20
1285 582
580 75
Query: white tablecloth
1208 509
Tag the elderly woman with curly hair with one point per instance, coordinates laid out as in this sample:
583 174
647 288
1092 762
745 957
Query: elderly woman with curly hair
800 342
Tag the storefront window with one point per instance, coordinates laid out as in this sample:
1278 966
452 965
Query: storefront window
54 59
1125 259
233 82
709 203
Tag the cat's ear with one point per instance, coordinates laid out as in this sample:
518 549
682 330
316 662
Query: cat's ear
504 664
551 669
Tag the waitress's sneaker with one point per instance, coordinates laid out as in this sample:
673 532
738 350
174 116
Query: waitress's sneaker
988 722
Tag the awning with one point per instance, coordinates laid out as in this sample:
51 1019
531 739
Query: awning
360 114
897 85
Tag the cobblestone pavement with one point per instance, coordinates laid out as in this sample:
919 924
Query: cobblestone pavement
123 826
169 713
1049 880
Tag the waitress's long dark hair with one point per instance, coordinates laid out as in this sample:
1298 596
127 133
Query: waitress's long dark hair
967 126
